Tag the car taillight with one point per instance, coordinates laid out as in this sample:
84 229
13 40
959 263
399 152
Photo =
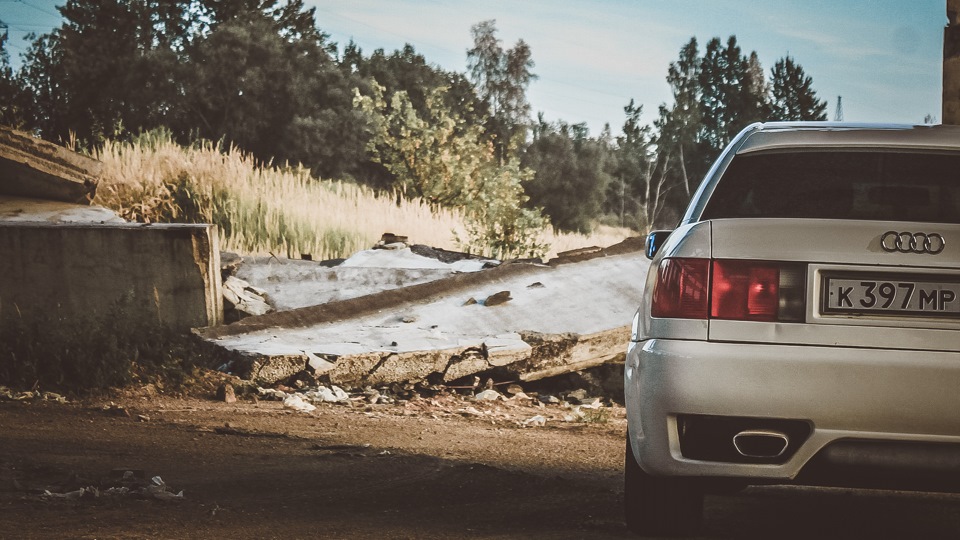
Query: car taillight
741 290
681 290
745 291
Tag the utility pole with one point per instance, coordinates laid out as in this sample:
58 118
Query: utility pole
838 115
951 65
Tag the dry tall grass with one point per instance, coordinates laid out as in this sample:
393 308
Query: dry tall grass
279 210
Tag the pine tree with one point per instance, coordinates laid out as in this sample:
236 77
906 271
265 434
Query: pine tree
793 94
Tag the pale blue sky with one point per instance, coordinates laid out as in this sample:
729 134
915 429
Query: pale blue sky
592 56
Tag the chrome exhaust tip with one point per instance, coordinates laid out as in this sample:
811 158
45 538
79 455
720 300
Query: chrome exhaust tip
761 443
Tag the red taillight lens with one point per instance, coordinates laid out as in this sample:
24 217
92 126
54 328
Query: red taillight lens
681 289
745 290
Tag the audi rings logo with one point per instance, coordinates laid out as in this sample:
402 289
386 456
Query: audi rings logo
908 242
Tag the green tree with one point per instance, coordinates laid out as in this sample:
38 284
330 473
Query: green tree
264 78
678 127
110 64
571 174
446 162
730 95
10 113
643 180
793 94
501 78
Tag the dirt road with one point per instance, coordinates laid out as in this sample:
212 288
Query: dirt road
440 468
251 470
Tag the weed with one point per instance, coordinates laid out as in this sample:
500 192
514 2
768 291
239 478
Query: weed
262 209
85 354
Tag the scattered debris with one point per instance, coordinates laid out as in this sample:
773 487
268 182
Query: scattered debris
323 394
241 300
297 403
488 395
7 394
536 421
122 483
113 409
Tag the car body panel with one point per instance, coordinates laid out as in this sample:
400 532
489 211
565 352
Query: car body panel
861 376
843 392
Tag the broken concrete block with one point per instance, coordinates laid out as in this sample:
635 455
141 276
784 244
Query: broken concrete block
497 298
226 394
506 349
243 300
466 363
266 370
30 167
317 364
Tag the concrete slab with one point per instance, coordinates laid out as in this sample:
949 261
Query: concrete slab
168 273
562 316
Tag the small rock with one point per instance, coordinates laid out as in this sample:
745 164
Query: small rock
470 301
535 285
391 238
548 399
470 411
319 395
488 395
226 393
536 421
116 410
297 403
143 418
497 298
514 389
340 393
591 403
409 319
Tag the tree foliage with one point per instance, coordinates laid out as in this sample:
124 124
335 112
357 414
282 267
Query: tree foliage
437 157
501 77
793 97
571 174
642 178
260 75
10 95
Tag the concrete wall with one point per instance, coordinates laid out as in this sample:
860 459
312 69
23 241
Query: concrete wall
171 272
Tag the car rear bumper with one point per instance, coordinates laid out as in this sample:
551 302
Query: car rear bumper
901 402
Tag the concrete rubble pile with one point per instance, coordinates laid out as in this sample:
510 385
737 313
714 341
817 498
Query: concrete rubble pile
519 321
568 399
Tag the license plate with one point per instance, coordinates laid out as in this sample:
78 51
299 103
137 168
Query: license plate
892 296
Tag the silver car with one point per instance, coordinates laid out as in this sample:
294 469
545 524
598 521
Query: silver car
802 324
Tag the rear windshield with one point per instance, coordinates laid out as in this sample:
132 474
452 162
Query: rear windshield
884 186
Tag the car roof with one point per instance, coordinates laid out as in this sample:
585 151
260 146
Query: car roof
842 135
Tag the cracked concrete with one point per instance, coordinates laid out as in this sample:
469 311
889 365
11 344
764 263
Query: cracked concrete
567 315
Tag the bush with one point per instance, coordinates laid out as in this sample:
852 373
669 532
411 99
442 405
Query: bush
82 355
